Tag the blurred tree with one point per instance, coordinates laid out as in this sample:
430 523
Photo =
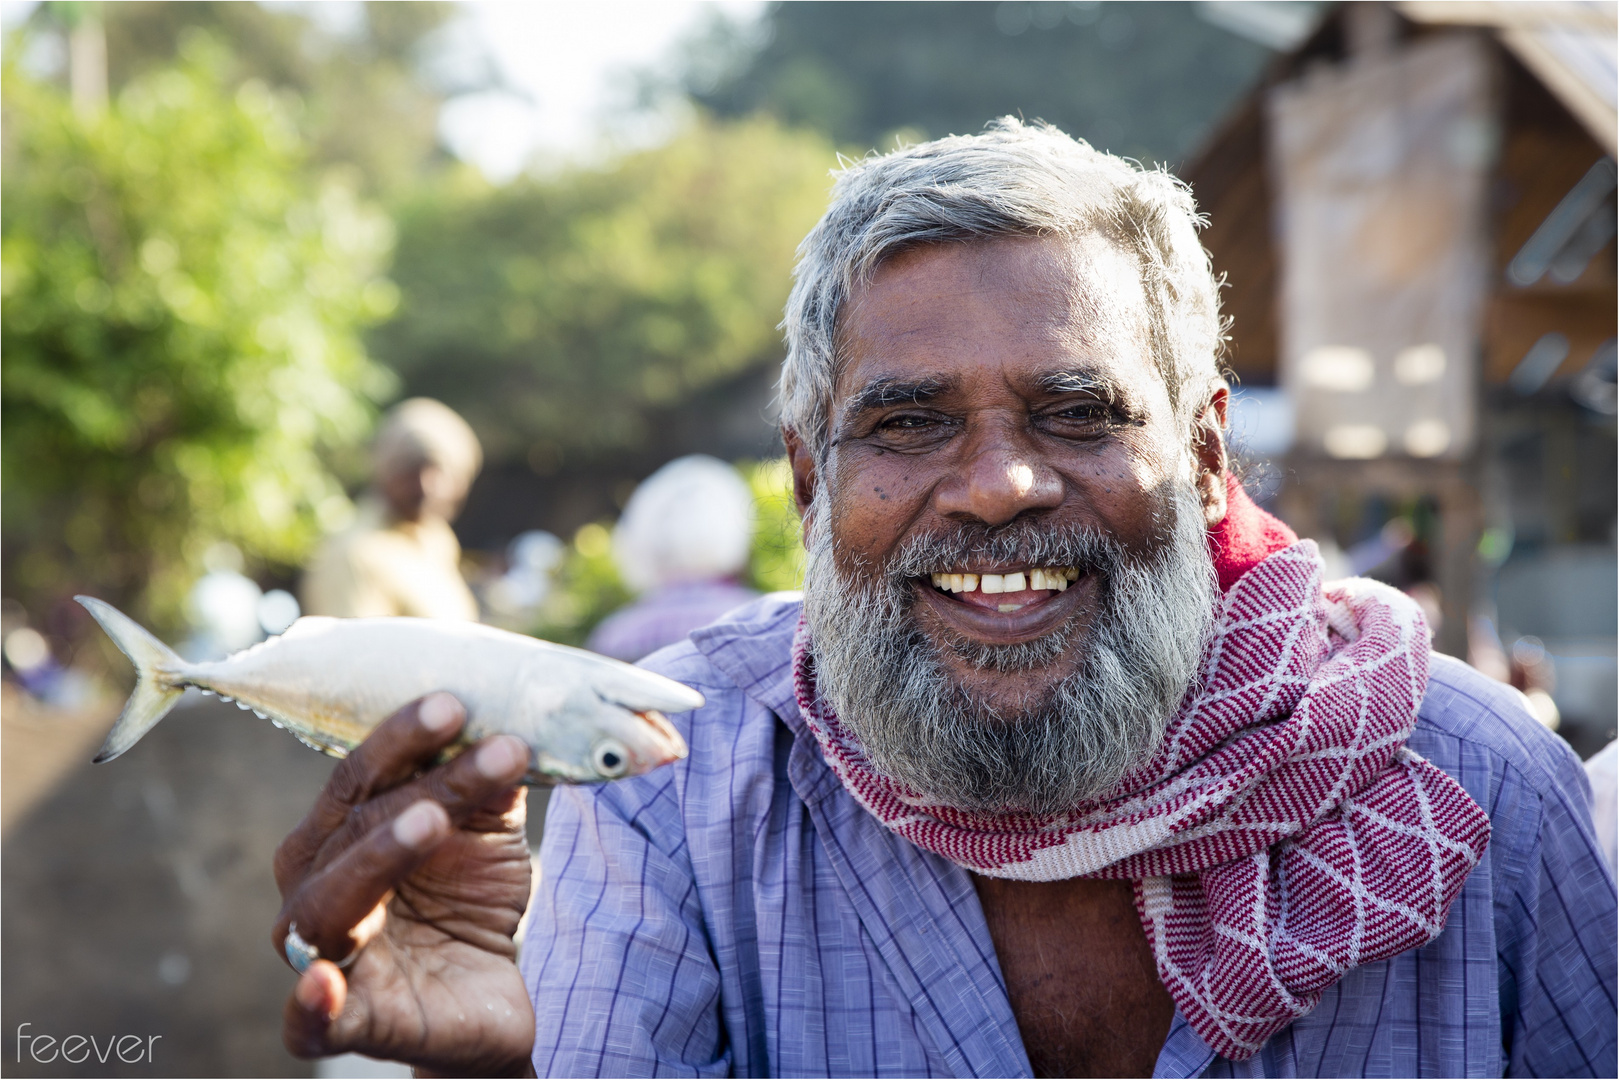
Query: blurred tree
778 557
366 93
179 314
562 315
1139 79
586 588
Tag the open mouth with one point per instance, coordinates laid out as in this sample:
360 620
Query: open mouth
1008 591
1004 605
669 745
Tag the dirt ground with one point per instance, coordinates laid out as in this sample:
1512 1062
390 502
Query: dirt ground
138 895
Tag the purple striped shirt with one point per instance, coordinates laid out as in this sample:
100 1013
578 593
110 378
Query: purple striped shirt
738 913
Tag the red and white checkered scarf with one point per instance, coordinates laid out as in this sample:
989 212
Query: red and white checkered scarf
1281 835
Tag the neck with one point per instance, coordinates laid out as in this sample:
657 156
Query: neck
1246 537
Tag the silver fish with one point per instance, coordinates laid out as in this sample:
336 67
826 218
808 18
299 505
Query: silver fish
586 718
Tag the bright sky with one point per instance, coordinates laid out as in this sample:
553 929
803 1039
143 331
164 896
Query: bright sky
564 57
561 59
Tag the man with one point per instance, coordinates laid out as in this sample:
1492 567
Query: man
1067 763
400 556
683 542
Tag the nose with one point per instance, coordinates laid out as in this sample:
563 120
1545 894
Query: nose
1000 478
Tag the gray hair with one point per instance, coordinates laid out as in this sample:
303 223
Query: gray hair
1014 179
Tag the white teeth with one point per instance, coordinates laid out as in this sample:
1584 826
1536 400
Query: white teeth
1038 579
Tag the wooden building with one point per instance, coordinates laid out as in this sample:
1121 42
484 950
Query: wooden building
1415 216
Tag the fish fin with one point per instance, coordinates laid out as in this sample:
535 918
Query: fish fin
640 690
158 681
308 624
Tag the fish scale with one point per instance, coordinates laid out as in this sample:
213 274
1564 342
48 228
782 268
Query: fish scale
586 718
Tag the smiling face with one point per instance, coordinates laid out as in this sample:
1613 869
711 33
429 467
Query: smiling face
1007 530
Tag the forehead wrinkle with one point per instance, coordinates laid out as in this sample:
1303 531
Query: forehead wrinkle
1098 279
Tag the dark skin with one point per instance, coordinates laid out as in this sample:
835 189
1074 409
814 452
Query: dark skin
427 871
982 382
414 490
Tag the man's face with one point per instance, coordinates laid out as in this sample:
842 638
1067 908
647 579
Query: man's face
421 488
997 402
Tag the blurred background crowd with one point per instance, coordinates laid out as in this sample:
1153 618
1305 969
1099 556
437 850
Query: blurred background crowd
289 288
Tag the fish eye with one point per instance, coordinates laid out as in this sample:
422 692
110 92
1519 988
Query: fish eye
610 757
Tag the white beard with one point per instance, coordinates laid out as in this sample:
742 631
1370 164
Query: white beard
1073 742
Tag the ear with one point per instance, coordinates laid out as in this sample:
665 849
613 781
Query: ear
1209 454
802 462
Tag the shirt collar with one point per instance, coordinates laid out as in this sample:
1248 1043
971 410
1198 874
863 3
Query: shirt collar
753 647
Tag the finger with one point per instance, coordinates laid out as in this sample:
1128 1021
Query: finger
312 1021
466 784
334 908
395 750
330 904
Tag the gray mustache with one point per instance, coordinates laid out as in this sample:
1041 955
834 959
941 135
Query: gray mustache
1018 543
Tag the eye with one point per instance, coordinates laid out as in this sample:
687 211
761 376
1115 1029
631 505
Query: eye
1081 419
610 758
1086 410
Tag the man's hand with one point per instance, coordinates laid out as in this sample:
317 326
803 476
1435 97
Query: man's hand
426 874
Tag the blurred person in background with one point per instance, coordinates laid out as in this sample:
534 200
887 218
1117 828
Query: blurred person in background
400 556
683 544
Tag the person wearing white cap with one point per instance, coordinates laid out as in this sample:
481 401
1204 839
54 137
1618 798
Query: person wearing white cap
400 557
682 543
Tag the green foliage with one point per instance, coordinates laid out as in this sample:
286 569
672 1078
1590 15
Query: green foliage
560 314
361 98
180 316
587 588
777 562
1145 80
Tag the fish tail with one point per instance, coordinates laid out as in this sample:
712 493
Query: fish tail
158 684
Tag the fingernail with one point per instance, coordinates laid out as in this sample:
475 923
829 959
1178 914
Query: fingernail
439 712
501 757
420 824
310 994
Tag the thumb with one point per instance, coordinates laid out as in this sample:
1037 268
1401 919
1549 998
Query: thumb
315 1022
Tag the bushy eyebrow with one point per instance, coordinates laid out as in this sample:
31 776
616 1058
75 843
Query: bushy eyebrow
1080 381
887 392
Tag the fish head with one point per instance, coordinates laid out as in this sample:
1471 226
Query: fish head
594 738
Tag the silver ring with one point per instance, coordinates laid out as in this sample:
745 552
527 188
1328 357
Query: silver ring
300 954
